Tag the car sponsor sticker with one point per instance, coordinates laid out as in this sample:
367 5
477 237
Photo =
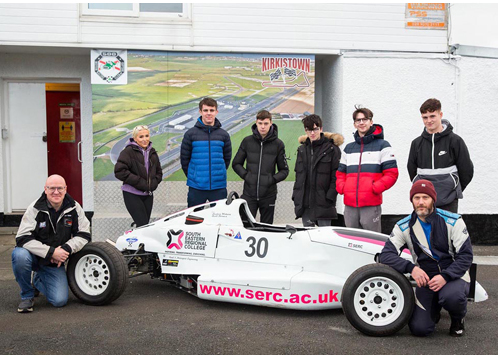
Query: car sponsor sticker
131 241
186 258
175 239
230 233
355 246
222 214
186 242
269 296
169 262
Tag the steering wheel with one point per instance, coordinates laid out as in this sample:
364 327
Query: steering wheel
232 196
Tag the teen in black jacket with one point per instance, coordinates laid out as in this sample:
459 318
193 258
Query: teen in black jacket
263 156
440 156
317 161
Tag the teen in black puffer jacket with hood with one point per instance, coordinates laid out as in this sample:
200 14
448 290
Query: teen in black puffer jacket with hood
262 155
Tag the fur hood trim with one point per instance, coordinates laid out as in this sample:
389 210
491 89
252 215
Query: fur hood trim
337 138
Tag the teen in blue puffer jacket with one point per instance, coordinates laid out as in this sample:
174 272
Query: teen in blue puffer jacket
205 155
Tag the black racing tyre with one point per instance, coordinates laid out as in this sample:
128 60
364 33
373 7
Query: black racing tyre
232 196
97 274
377 300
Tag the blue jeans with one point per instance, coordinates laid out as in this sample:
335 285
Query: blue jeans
51 281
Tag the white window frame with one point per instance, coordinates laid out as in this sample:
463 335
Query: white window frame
134 15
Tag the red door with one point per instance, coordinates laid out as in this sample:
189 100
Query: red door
64 138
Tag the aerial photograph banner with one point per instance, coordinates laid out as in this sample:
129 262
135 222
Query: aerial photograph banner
163 91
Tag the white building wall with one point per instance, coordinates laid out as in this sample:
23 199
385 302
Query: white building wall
478 93
304 27
137 35
47 68
39 23
331 95
285 28
474 24
394 89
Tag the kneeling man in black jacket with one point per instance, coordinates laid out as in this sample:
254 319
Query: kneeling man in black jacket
264 153
53 228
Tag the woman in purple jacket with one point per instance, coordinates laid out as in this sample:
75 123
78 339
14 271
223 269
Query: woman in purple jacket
139 168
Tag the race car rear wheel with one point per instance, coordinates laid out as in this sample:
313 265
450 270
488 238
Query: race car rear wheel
377 300
97 274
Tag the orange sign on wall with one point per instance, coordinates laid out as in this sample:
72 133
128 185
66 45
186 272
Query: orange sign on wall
426 16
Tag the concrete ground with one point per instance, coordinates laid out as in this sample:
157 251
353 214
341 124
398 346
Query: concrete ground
152 317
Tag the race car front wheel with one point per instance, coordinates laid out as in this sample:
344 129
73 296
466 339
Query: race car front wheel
97 274
377 300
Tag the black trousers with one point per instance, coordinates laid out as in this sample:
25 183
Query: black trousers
139 207
198 197
265 205
452 297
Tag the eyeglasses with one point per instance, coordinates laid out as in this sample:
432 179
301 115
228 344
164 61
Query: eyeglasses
358 120
316 130
53 188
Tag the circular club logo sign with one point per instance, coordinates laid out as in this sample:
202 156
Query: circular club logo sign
109 66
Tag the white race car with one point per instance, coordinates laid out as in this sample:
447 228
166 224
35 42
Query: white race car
217 251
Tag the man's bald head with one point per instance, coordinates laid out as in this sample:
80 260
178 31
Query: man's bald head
55 189
55 180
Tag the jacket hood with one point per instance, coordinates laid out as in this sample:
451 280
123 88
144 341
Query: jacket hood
131 141
271 136
336 138
447 129
200 124
375 132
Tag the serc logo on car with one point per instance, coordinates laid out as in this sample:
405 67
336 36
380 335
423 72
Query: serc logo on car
175 239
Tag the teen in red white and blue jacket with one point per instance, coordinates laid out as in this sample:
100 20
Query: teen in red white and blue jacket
367 169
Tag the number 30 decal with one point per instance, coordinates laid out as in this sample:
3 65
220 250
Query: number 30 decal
260 248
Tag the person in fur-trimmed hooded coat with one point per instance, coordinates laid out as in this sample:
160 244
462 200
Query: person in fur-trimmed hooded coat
318 157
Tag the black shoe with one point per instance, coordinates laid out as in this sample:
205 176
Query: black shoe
26 306
457 328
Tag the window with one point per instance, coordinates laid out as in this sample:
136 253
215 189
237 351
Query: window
135 11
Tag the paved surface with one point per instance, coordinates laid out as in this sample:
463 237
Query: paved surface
152 317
